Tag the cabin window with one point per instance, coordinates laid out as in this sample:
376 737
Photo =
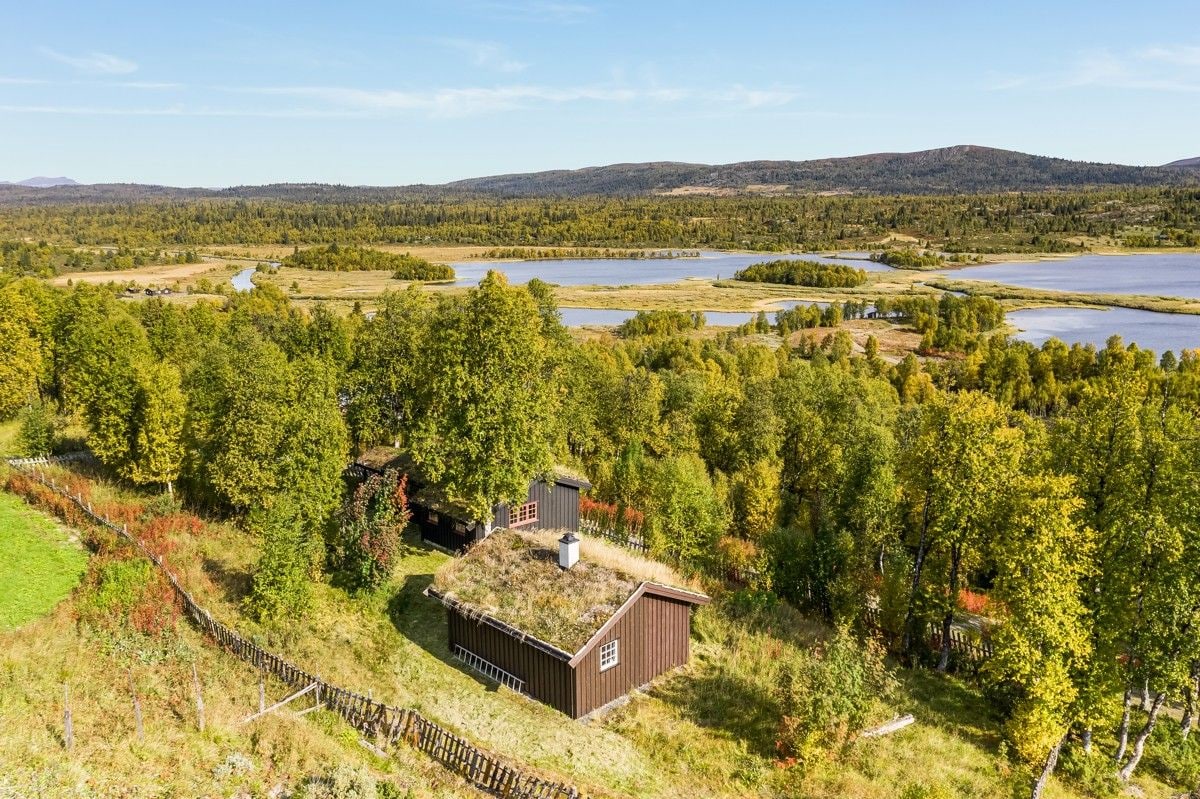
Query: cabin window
433 517
460 527
523 514
610 654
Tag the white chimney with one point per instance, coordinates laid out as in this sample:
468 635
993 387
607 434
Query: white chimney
568 550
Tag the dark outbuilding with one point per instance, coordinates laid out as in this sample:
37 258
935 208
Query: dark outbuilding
577 628
551 503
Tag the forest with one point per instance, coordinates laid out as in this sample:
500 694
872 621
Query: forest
1047 495
803 273
348 258
979 223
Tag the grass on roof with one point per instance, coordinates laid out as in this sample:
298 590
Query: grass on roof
514 577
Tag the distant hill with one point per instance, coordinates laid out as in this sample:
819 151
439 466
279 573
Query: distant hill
42 182
949 170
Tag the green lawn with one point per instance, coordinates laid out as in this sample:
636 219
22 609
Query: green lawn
38 565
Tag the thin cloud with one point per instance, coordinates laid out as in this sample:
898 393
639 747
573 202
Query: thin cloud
95 62
22 81
457 102
179 111
536 10
1162 69
489 55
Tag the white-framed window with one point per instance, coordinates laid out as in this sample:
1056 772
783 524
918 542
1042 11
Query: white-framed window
433 517
523 514
610 654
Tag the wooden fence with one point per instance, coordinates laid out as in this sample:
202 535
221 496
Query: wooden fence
385 724
968 652
634 542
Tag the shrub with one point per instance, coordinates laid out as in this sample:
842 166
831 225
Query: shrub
120 594
973 602
827 697
370 527
280 590
1093 774
343 782
39 429
1172 758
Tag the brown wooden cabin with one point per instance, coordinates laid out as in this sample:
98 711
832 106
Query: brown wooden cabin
551 503
646 636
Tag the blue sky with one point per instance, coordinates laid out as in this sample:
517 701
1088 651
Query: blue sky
215 93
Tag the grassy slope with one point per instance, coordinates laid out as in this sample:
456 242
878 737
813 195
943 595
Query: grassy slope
706 731
175 759
39 565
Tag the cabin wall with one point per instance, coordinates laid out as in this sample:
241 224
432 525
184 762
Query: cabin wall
558 507
655 637
547 678
444 532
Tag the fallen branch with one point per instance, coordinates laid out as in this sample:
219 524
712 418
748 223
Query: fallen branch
898 723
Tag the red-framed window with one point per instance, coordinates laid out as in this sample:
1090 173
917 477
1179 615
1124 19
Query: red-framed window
522 514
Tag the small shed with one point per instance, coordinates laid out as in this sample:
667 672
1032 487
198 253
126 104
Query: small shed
576 631
551 502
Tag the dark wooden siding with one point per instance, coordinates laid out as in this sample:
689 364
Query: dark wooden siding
654 637
558 507
444 532
547 678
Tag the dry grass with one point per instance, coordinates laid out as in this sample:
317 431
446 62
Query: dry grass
156 275
274 252
514 577
705 731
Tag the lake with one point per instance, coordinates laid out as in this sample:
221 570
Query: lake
1148 329
637 271
578 317
1166 275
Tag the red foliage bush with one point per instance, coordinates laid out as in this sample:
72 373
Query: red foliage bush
973 602
612 519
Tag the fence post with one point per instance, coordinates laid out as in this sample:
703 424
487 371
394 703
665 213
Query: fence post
68 728
137 709
199 698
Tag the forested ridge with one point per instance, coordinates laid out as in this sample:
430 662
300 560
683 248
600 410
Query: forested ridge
1024 222
1051 491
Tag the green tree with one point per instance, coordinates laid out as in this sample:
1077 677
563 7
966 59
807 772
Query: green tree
1043 560
685 517
159 407
488 423
20 352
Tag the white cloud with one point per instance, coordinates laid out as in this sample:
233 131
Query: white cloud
21 81
490 55
94 62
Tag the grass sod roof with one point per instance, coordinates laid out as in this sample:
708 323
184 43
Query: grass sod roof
513 577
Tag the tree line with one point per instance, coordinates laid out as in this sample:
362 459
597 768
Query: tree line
1017 222
1061 483
349 258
